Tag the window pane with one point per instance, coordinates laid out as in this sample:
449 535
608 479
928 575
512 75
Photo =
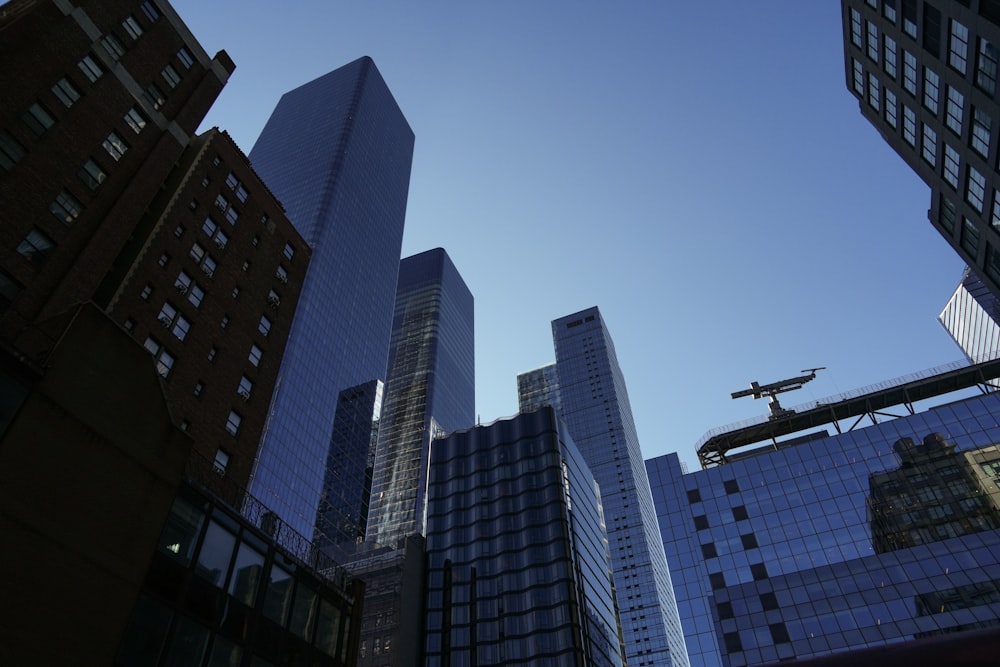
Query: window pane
180 533
247 574
278 598
215 554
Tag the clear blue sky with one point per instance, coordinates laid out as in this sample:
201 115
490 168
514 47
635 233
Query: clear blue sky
697 170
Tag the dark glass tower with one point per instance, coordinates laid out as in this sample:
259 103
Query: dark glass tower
595 407
337 153
517 557
430 387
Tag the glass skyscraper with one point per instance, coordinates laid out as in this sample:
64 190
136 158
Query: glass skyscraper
431 386
596 409
814 536
517 557
971 317
337 152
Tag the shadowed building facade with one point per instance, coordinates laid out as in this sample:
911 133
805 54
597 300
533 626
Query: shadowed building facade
336 151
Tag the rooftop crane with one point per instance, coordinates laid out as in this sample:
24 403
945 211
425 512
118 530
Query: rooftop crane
773 389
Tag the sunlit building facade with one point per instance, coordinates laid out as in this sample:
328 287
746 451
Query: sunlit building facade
336 151
803 542
431 386
971 318
517 558
596 409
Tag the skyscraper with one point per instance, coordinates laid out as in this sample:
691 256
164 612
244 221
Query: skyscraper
971 318
835 528
517 558
925 75
430 387
597 412
336 151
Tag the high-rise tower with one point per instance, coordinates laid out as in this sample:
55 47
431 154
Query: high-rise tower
595 407
926 76
337 152
430 387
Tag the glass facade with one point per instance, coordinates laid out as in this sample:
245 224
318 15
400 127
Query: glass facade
343 506
596 409
336 152
517 556
869 537
431 386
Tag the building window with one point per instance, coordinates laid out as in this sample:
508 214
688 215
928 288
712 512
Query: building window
233 423
273 299
11 151
982 128
281 274
171 319
66 92
112 46
213 353
171 76
164 260
779 633
245 388
986 67
954 109
38 118
91 174
910 18
199 388
889 10
264 326
975 189
725 610
872 41
992 263
129 324
951 165
115 146
237 187
164 360
740 513
132 27
731 486
90 68
221 461
958 46
218 236
694 496
909 126
184 56
947 215
932 30
246 265
205 262
179 231
701 522
758 571
929 145
35 246
732 642
717 580
909 73
889 61
709 551
225 322
185 285
873 92
146 292
995 218
970 237
150 11
66 208
932 83
289 251
135 120
749 541
155 96
856 28
859 78
255 355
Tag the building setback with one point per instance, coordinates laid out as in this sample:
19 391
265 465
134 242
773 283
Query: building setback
336 151
598 415
925 75
517 558
835 528
431 386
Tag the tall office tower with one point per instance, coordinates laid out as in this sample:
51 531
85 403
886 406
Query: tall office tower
596 409
100 100
925 75
836 528
342 517
971 317
517 556
431 386
337 152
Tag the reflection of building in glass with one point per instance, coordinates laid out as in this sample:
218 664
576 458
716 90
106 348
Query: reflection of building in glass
934 495
593 402
789 544
430 385
518 569
343 505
